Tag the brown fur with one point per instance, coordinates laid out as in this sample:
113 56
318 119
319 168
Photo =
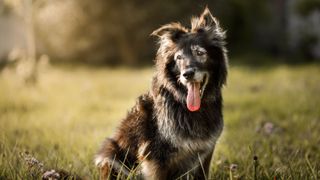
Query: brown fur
160 138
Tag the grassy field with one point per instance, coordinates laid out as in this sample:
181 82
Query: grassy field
271 114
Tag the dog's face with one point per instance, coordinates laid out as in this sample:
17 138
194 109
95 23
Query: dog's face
192 62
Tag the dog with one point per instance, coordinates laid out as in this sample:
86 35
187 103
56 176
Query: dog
172 130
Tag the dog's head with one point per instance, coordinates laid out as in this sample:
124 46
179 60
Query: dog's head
192 63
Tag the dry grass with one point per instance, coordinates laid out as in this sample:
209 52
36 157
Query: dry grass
270 113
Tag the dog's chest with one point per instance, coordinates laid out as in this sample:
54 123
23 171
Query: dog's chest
190 153
173 131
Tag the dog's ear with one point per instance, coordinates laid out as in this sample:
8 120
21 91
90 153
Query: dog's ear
209 25
204 22
172 31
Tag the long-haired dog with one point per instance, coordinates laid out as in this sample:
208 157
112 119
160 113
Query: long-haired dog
172 130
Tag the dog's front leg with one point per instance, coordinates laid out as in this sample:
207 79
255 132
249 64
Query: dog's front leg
150 169
203 171
105 172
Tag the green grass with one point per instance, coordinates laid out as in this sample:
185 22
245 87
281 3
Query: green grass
63 119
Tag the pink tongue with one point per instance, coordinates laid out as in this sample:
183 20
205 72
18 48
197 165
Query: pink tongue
193 97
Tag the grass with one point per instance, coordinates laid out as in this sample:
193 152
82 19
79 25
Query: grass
272 115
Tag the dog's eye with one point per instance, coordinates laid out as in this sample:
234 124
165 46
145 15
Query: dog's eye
200 53
179 57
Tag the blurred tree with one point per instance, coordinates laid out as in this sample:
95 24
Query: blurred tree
305 7
309 38
117 32
27 65
103 31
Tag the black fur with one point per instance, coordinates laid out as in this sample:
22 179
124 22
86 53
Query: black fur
160 133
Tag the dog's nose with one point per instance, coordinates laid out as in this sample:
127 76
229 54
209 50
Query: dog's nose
188 74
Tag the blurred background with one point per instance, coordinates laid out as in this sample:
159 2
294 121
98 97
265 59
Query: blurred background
117 32
71 69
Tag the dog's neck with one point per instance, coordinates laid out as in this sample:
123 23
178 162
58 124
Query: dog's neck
176 123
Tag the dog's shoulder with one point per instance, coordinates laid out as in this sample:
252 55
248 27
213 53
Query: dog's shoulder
138 121
143 106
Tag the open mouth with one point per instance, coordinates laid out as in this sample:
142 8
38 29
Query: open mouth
203 84
195 93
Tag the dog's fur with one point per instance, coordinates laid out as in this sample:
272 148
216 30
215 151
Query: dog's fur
160 138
